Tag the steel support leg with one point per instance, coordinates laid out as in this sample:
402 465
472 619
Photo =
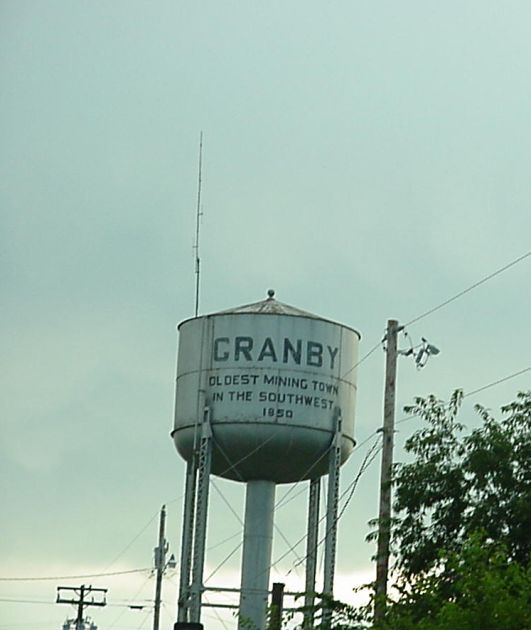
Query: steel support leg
201 513
331 520
311 552
187 540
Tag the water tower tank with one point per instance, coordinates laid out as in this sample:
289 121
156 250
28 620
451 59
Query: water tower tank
273 378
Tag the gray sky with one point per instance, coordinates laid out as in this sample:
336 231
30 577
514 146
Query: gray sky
367 160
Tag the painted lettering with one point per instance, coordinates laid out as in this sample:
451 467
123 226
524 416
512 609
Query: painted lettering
314 354
295 351
217 343
333 354
243 345
268 350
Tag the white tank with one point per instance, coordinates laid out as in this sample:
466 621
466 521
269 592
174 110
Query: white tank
273 378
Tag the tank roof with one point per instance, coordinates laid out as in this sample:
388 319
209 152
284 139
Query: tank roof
269 305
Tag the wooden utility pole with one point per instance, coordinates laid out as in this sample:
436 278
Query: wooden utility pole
81 601
384 517
160 566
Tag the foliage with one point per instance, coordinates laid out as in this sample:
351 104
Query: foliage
457 486
327 611
461 532
480 588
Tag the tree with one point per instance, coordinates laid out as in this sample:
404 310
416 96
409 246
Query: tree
461 530
480 588
458 486
461 533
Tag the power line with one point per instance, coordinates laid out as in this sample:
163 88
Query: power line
443 304
479 389
369 458
367 461
362 469
70 577
501 380
13 600
129 545
144 584
468 289
284 500
363 358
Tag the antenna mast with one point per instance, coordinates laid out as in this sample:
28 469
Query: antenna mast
199 214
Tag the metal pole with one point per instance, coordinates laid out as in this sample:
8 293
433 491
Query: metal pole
81 605
160 563
311 552
201 514
331 520
277 605
187 539
256 555
384 517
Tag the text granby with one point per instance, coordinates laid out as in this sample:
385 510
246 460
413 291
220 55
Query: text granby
240 348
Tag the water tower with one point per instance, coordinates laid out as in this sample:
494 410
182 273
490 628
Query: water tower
265 395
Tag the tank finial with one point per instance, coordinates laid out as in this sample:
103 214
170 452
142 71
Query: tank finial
270 294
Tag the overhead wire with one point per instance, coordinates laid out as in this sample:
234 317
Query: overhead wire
363 358
369 458
131 601
476 391
284 555
443 304
367 461
284 501
494 383
303 477
70 577
468 289
129 545
18 600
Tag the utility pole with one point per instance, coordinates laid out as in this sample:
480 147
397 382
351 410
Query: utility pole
384 517
277 605
160 566
81 592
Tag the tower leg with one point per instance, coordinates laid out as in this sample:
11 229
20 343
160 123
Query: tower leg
256 558
331 520
311 551
187 540
201 513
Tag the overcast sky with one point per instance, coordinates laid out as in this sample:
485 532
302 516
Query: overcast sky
368 160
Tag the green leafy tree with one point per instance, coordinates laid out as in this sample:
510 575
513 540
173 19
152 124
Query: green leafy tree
481 588
456 486
461 530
